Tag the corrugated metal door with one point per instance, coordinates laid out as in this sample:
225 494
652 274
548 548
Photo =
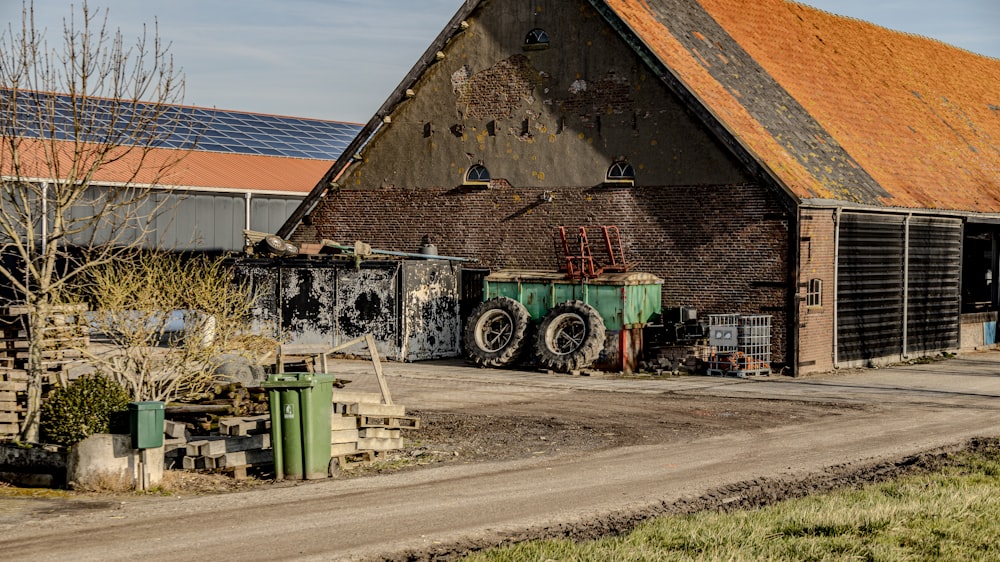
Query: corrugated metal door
934 299
870 287
895 272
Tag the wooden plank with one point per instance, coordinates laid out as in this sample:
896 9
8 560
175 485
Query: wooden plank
400 422
385 410
386 397
378 433
14 375
353 397
13 386
9 428
8 396
338 421
12 417
375 444
343 436
11 407
342 449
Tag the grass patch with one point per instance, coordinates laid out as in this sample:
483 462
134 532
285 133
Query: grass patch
953 514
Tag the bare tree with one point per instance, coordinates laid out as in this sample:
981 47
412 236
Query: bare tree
69 117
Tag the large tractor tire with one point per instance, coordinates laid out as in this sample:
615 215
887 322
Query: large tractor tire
570 337
497 332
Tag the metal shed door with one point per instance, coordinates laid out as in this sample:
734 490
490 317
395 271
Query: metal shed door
933 296
870 287
897 285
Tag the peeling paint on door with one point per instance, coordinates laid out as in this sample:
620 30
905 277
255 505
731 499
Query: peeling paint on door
411 307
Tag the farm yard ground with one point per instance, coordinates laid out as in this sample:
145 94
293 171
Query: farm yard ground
508 455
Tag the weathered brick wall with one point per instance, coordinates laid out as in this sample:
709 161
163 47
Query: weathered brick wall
816 261
721 249
554 120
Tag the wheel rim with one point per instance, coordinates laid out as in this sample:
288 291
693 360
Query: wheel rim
494 331
566 334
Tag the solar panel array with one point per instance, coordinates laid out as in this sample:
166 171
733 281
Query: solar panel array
215 130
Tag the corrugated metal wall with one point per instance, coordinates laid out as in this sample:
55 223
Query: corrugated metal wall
888 263
194 221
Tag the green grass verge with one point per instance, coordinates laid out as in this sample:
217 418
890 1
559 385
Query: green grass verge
953 514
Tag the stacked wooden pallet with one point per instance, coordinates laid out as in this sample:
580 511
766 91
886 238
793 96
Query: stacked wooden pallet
13 400
362 423
242 443
65 336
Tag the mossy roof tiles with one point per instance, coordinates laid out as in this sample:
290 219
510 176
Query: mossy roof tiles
836 108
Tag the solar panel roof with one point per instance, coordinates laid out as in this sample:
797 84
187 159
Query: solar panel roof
215 130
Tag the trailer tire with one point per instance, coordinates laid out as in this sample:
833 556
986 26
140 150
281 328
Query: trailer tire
496 333
570 337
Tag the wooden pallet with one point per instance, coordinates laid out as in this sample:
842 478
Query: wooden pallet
390 422
350 461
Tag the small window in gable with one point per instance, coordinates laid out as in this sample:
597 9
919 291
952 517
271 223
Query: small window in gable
536 39
478 176
814 294
621 172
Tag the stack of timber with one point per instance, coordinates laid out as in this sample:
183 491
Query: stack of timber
223 399
241 443
66 335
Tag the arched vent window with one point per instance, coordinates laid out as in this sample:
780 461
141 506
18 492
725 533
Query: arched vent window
477 175
536 39
621 172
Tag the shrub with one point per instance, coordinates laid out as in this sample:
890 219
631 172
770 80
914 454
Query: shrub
85 407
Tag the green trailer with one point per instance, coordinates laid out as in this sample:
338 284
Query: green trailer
568 324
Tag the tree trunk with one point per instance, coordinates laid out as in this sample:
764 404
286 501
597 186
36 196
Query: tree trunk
36 336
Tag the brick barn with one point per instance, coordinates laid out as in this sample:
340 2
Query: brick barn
761 157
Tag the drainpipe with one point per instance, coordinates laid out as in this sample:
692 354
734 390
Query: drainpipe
836 277
906 283
248 197
793 330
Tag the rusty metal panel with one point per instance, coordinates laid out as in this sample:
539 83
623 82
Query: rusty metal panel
308 304
367 302
431 320
410 307
263 280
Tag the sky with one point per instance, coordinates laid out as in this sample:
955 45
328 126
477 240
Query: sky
340 59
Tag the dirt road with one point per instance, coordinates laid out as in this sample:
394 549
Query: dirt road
532 454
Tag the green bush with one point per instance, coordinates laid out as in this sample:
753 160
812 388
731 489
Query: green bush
87 406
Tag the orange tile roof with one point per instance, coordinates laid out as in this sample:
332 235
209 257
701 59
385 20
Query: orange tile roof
836 108
176 168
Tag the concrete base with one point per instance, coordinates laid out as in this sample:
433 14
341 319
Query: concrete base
35 467
106 460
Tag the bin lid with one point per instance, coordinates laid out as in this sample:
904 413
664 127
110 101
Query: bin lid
297 380
151 405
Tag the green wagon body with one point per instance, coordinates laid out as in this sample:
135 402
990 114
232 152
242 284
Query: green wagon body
626 303
624 300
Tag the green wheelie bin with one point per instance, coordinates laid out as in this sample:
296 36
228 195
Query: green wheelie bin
301 405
